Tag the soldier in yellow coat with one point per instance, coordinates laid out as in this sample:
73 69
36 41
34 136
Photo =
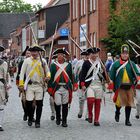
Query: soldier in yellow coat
123 76
36 74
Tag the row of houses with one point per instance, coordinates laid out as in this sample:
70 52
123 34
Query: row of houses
18 30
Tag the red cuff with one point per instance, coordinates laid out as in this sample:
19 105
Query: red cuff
50 90
82 84
111 86
76 85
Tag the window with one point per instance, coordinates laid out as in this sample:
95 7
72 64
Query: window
73 6
94 39
91 38
76 47
76 10
81 7
92 5
84 7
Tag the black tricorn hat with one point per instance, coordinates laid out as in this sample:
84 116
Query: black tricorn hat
61 50
84 52
2 48
54 56
35 48
24 52
93 50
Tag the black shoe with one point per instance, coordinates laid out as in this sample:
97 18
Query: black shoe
64 124
96 124
25 117
127 123
58 122
90 120
52 118
79 115
137 116
86 119
117 117
33 120
30 123
1 129
37 125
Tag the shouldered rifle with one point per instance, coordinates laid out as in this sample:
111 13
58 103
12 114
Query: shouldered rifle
76 44
52 43
103 66
132 47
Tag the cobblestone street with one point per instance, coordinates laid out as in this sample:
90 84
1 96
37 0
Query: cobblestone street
16 129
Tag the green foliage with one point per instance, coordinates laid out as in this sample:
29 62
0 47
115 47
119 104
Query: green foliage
113 4
17 6
123 25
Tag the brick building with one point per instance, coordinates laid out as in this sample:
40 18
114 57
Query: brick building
57 11
93 16
10 24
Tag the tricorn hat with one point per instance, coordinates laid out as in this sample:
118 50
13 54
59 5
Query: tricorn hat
124 48
35 48
84 52
93 50
24 52
2 48
61 50
54 56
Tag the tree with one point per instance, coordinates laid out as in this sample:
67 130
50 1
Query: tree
123 25
17 6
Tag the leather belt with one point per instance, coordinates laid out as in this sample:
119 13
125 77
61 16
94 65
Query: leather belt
33 82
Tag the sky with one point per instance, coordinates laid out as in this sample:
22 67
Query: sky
43 2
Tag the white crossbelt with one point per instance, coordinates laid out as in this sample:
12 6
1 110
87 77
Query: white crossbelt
92 67
28 77
122 66
95 70
61 69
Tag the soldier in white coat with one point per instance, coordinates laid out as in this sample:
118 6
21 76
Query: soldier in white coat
36 75
81 94
4 86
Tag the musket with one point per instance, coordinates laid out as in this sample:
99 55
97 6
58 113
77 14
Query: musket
52 43
43 65
132 47
34 37
103 66
76 44
130 60
134 43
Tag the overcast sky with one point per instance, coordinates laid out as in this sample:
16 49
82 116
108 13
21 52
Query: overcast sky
43 2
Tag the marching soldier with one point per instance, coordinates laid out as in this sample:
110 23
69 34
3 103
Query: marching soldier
77 72
123 77
91 81
37 72
138 90
61 85
51 98
27 54
3 87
